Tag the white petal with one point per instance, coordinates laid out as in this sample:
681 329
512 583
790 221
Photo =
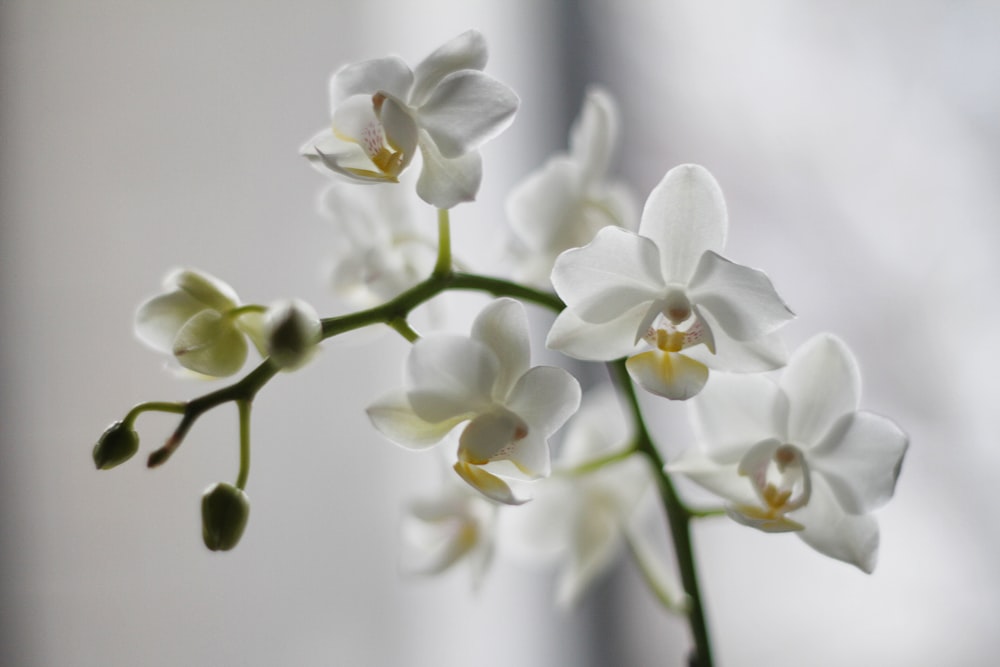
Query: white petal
823 383
596 540
610 276
685 215
542 209
487 484
721 479
449 376
741 299
597 429
733 412
530 457
595 342
490 436
541 529
467 51
388 75
763 354
327 152
400 129
158 320
211 345
502 326
393 417
860 458
668 374
206 288
835 533
466 109
592 137
444 182
545 397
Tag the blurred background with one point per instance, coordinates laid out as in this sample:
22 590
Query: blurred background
858 145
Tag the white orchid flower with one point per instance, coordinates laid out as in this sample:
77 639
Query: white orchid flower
484 381
586 511
564 204
382 252
797 455
382 111
668 286
200 322
456 525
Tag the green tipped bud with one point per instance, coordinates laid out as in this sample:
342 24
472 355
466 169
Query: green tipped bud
116 445
224 513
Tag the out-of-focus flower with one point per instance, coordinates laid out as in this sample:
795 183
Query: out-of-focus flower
797 455
200 322
483 380
565 203
457 525
382 111
292 330
584 513
668 285
381 251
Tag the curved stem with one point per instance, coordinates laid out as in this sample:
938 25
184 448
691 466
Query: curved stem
244 408
678 518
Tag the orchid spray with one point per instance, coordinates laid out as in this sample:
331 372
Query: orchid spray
645 292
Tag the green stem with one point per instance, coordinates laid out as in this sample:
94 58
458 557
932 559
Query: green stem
244 408
678 519
443 265
158 406
596 464
404 329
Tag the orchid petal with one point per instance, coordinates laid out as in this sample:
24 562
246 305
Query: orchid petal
833 532
598 428
610 276
503 328
466 109
596 540
763 354
158 320
685 215
207 289
860 458
208 343
324 151
668 374
823 383
393 416
445 182
735 411
487 484
742 299
543 208
545 397
400 130
722 479
594 134
595 342
467 51
449 376
387 75
490 436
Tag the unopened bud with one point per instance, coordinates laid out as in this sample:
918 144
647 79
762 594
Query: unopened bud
115 446
224 513
292 329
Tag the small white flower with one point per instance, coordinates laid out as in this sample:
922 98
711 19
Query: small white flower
581 516
483 380
456 525
565 203
199 321
382 111
291 332
382 252
668 286
797 455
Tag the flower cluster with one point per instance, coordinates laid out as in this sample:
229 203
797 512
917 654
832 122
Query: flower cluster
650 296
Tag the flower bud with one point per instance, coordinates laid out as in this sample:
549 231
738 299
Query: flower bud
115 446
291 329
224 512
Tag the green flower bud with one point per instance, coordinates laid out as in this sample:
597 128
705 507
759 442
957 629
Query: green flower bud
224 513
291 331
116 445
